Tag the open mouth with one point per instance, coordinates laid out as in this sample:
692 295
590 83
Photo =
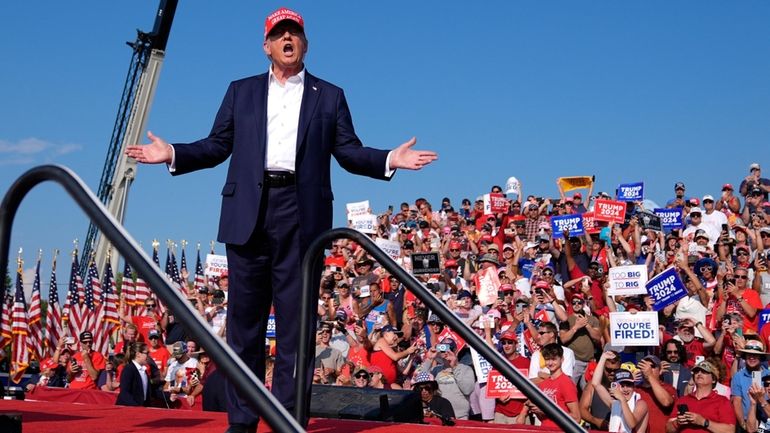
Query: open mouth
288 49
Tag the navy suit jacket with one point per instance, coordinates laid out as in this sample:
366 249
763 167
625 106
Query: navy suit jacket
240 130
131 389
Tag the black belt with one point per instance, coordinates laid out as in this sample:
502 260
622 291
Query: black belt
279 179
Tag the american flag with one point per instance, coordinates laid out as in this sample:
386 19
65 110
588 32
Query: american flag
20 327
95 284
77 314
35 318
108 313
90 300
176 278
128 289
183 268
200 281
6 328
53 316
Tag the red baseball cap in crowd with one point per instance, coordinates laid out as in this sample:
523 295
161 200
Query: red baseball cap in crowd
455 245
451 263
727 186
542 285
486 238
577 195
282 14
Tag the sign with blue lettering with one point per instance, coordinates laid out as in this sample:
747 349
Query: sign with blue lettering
634 329
764 317
670 218
271 326
631 191
666 288
573 223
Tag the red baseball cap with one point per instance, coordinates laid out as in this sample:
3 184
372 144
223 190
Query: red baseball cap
727 186
280 15
577 195
542 285
486 238
451 263
455 245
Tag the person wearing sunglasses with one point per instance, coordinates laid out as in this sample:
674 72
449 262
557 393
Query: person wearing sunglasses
433 404
674 366
739 298
361 378
628 411
147 320
703 410
538 371
506 408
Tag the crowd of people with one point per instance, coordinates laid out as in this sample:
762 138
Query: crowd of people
550 319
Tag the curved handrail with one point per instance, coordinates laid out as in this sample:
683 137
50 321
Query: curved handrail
312 262
231 365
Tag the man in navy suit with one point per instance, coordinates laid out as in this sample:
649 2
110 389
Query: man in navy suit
280 130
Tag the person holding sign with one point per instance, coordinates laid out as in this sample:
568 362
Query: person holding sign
507 408
628 412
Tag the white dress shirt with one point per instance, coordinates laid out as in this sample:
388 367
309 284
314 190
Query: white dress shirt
143 376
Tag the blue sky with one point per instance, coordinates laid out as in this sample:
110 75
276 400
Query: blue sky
656 91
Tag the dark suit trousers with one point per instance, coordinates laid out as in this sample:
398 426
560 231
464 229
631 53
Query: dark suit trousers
266 269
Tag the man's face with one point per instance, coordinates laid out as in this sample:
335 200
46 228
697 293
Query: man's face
545 336
672 354
154 342
129 334
191 346
553 364
224 283
679 192
686 334
325 334
708 204
286 45
509 346
695 218
752 360
741 278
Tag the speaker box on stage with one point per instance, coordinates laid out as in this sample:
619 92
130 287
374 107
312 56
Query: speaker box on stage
372 404
10 422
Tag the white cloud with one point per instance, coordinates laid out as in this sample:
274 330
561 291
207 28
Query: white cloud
31 150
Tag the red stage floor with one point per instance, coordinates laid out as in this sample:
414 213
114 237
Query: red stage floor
58 417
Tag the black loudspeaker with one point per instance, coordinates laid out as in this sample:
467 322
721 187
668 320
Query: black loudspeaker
10 422
372 404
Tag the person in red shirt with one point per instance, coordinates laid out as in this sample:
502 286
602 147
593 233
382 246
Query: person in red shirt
703 410
741 299
507 408
86 364
559 388
148 321
158 352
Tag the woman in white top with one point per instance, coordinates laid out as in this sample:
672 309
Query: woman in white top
628 412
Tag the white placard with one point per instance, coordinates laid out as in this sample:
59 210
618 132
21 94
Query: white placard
628 280
391 248
215 265
481 365
358 208
366 224
634 329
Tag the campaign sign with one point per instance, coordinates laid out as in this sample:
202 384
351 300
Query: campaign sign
481 365
449 334
500 387
631 191
366 224
589 224
391 248
573 223
215 265
495 203
670 218
357 208
271 326
627 280
634 329
610 211
764 317
487 285
666 288
650 221
425 263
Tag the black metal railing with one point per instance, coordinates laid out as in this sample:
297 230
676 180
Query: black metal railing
312 263
227 361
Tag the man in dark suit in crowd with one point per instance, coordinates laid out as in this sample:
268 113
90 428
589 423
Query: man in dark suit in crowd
280 129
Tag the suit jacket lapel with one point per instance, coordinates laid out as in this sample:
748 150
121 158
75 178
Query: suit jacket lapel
310 98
